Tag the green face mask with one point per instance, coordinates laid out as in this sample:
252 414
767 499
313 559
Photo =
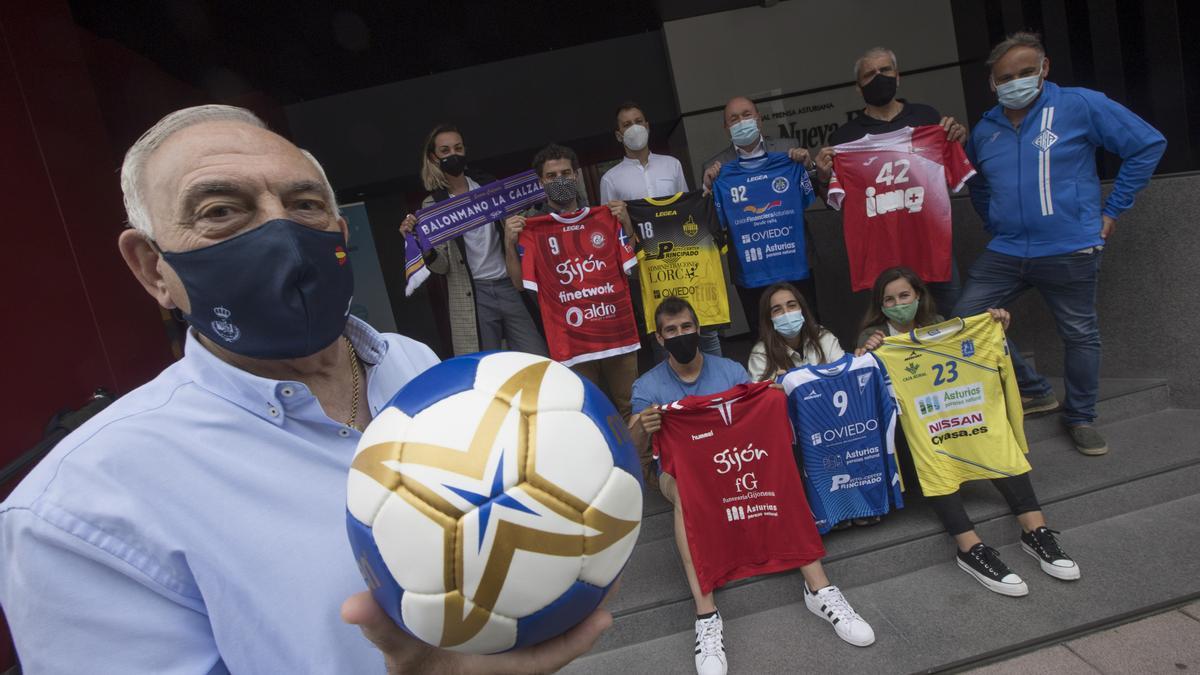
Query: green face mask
902 314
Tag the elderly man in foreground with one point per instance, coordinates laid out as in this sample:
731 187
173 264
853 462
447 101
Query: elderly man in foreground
197 524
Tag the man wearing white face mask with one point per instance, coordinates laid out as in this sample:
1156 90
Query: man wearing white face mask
1038 194
641 173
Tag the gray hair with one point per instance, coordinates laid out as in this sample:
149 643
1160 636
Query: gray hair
1019 39
872 53
155 136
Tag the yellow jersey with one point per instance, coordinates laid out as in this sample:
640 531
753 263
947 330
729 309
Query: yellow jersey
679 254
958 401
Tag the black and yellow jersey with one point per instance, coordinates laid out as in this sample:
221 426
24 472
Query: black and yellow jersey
679 254
959 403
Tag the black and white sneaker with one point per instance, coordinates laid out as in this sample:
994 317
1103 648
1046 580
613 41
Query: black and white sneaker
710 646
829 604
1042 545
983 562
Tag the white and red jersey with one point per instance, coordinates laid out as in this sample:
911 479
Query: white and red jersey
892 190
743 505
576 263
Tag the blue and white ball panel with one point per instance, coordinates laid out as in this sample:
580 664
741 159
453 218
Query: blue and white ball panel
412 545
424 617
534 579
573 606
364 495
447 377
387 593
561 388
599 409
581 471
621 497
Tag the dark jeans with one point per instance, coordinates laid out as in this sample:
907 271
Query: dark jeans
946 293
750 298
1067 284
1016 490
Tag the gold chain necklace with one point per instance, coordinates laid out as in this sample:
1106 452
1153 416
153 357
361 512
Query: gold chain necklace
354 378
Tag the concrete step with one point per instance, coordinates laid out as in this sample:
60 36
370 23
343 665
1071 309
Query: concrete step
1120 398
1154 459
938 618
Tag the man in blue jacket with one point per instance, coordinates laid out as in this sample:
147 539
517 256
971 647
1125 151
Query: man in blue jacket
1039 196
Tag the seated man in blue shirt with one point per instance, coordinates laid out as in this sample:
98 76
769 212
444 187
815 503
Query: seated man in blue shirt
197 525
689 372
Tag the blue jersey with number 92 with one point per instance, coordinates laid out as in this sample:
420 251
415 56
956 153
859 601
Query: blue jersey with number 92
761 202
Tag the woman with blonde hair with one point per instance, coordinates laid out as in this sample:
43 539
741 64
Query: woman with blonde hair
486 310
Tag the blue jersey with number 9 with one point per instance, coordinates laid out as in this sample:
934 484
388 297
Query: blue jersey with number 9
845 421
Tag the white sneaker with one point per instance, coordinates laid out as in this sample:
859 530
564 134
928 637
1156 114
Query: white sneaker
710 647
829 604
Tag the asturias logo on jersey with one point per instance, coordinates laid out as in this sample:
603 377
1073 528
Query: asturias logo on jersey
950 399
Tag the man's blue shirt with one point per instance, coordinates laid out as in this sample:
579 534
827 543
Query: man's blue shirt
1037 189
196 525
660 385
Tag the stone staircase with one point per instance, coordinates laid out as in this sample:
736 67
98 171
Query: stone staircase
1131 519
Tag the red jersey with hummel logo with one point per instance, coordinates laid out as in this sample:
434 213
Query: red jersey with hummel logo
577 264
743 505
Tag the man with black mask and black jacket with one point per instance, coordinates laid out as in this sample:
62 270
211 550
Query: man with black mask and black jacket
484 307
877 77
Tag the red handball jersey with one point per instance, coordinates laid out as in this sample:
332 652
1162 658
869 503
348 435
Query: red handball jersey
576 263
892 189
743 506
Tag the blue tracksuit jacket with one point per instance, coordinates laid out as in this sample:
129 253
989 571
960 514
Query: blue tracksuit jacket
1037 189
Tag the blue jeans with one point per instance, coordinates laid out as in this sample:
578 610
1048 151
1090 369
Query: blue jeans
945 293
1067 284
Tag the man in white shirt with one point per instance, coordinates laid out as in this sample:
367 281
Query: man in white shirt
641 173
644 174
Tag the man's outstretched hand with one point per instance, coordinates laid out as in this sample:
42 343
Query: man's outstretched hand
405 654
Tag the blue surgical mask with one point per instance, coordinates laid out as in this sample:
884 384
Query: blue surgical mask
279 291
1018 93
788 324
745 132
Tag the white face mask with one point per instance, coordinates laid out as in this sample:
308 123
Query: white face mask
635 137
1018 93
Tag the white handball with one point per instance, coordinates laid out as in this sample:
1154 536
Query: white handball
493 502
